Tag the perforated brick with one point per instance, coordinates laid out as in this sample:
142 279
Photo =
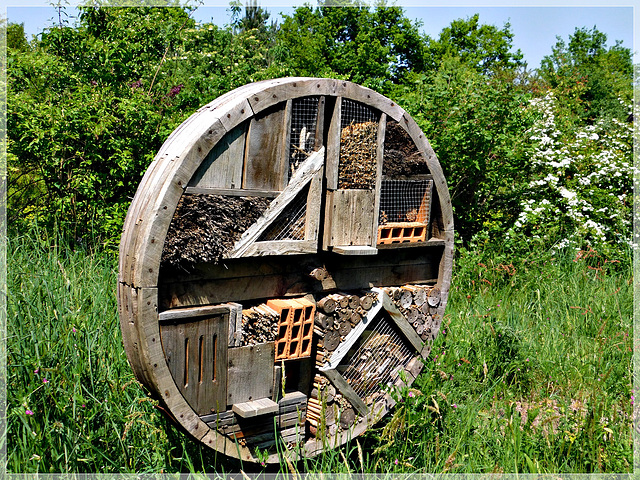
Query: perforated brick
406 232
295 327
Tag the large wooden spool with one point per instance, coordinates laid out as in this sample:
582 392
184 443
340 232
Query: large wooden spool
287 255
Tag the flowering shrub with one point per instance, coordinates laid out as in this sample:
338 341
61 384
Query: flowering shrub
581 192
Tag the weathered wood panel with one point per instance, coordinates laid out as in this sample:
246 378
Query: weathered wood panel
196 352
250 374
283 278
352 217
222 167
264 166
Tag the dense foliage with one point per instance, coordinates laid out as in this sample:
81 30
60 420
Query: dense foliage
90 104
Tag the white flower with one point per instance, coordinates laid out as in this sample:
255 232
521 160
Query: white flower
566 193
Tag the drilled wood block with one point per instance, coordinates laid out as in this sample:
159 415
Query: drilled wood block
254 408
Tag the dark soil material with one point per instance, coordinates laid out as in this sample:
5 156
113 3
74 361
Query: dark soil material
401 156
205 227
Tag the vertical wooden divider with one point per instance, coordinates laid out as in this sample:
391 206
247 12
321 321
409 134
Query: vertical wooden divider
286 140
382 128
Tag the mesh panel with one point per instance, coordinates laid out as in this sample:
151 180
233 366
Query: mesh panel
304 117
358 132
378 360
405 201
290 224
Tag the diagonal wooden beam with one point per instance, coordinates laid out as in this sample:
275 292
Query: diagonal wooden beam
298 181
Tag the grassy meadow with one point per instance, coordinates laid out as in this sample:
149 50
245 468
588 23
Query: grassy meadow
531 373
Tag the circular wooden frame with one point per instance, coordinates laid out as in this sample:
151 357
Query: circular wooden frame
152 210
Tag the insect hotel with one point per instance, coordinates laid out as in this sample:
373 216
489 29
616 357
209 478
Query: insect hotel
284 265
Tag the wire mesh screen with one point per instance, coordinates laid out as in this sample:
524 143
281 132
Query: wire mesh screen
378 360
405 201
358 138
304 118
290 224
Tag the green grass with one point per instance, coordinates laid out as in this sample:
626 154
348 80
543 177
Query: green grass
531 373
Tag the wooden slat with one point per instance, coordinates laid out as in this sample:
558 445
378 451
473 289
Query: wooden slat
189 314
262 406
234 192
264 167
352 217
402 323
281 247
250 374
314 202
288 276
286 138
380 137
196 352
291 88
345 389
354 250
333 146
319 137
222 167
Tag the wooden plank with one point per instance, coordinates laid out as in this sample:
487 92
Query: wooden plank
370 98
222 167
288 88
277 384
287 276
191 313
293 284
196 352
333 146
250 373
303 175
292 398
380 137
345 389
363 217
255 408
319 137
354 250
286 138
314 203
264 167
249 267
235 324
234 192
281 247
402 323
352 217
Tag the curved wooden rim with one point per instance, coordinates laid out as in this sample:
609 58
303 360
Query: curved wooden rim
152 210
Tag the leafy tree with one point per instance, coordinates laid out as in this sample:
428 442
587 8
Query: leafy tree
374 47
89 106
589 78
475 124
483 47
16 38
